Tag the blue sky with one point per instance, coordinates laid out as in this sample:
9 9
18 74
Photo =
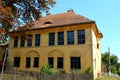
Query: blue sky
106 13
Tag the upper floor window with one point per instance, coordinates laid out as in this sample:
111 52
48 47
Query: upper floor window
16 61
81 36
70 37
29 40
15 41
51 38
60 38
37 39
22 42
75 62
60 62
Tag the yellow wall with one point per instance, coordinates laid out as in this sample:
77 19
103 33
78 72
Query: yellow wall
86 51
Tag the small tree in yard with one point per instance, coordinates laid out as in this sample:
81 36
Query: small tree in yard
45 71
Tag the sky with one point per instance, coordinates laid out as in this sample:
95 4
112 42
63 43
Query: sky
106 14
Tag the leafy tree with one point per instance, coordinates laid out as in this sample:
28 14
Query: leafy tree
114 65
14 13
105 59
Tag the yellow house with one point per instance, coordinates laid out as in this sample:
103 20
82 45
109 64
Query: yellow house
65 41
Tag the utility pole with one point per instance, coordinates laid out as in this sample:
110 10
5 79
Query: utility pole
109 73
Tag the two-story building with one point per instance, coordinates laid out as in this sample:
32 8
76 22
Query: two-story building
65 41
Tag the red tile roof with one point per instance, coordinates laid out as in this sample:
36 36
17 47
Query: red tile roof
61 19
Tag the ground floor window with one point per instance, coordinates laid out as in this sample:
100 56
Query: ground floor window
75 62
28 62
51 61
60 62
16 61
36 62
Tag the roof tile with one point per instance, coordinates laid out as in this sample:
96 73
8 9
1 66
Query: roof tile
60 20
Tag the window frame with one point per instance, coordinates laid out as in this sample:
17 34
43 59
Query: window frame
37 39
75 62
51 39
29 44
70 37
28 62
51 63
36 62
16 61
22 42
16 41
60 38
60 62
81 36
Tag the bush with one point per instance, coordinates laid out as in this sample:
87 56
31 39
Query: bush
46 69
88 71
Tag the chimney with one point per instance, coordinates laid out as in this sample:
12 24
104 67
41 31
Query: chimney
48 13
70 10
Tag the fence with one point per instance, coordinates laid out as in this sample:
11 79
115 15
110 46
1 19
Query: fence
17 77
49 77
67 77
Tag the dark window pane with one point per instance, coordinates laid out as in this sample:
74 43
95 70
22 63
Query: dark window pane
29 40
81 36
15 41
75 62
51 61
51 38
37 39
22 42
16 61
70 37
60 62
27 62
36 62
60 38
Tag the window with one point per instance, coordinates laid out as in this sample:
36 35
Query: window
37 39
75 62
29 40
98 45
28 62
36 62
70 37
22 43
16 61
51 61
15 41
51 38
81 36
60 38
60 62
48 22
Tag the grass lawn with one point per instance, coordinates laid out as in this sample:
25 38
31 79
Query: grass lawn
109 78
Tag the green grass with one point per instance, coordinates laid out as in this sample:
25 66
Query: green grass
108 78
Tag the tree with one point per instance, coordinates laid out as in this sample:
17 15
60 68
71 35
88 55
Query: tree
114 65
14 13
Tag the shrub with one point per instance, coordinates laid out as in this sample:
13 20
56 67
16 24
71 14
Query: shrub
46 69
88 71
